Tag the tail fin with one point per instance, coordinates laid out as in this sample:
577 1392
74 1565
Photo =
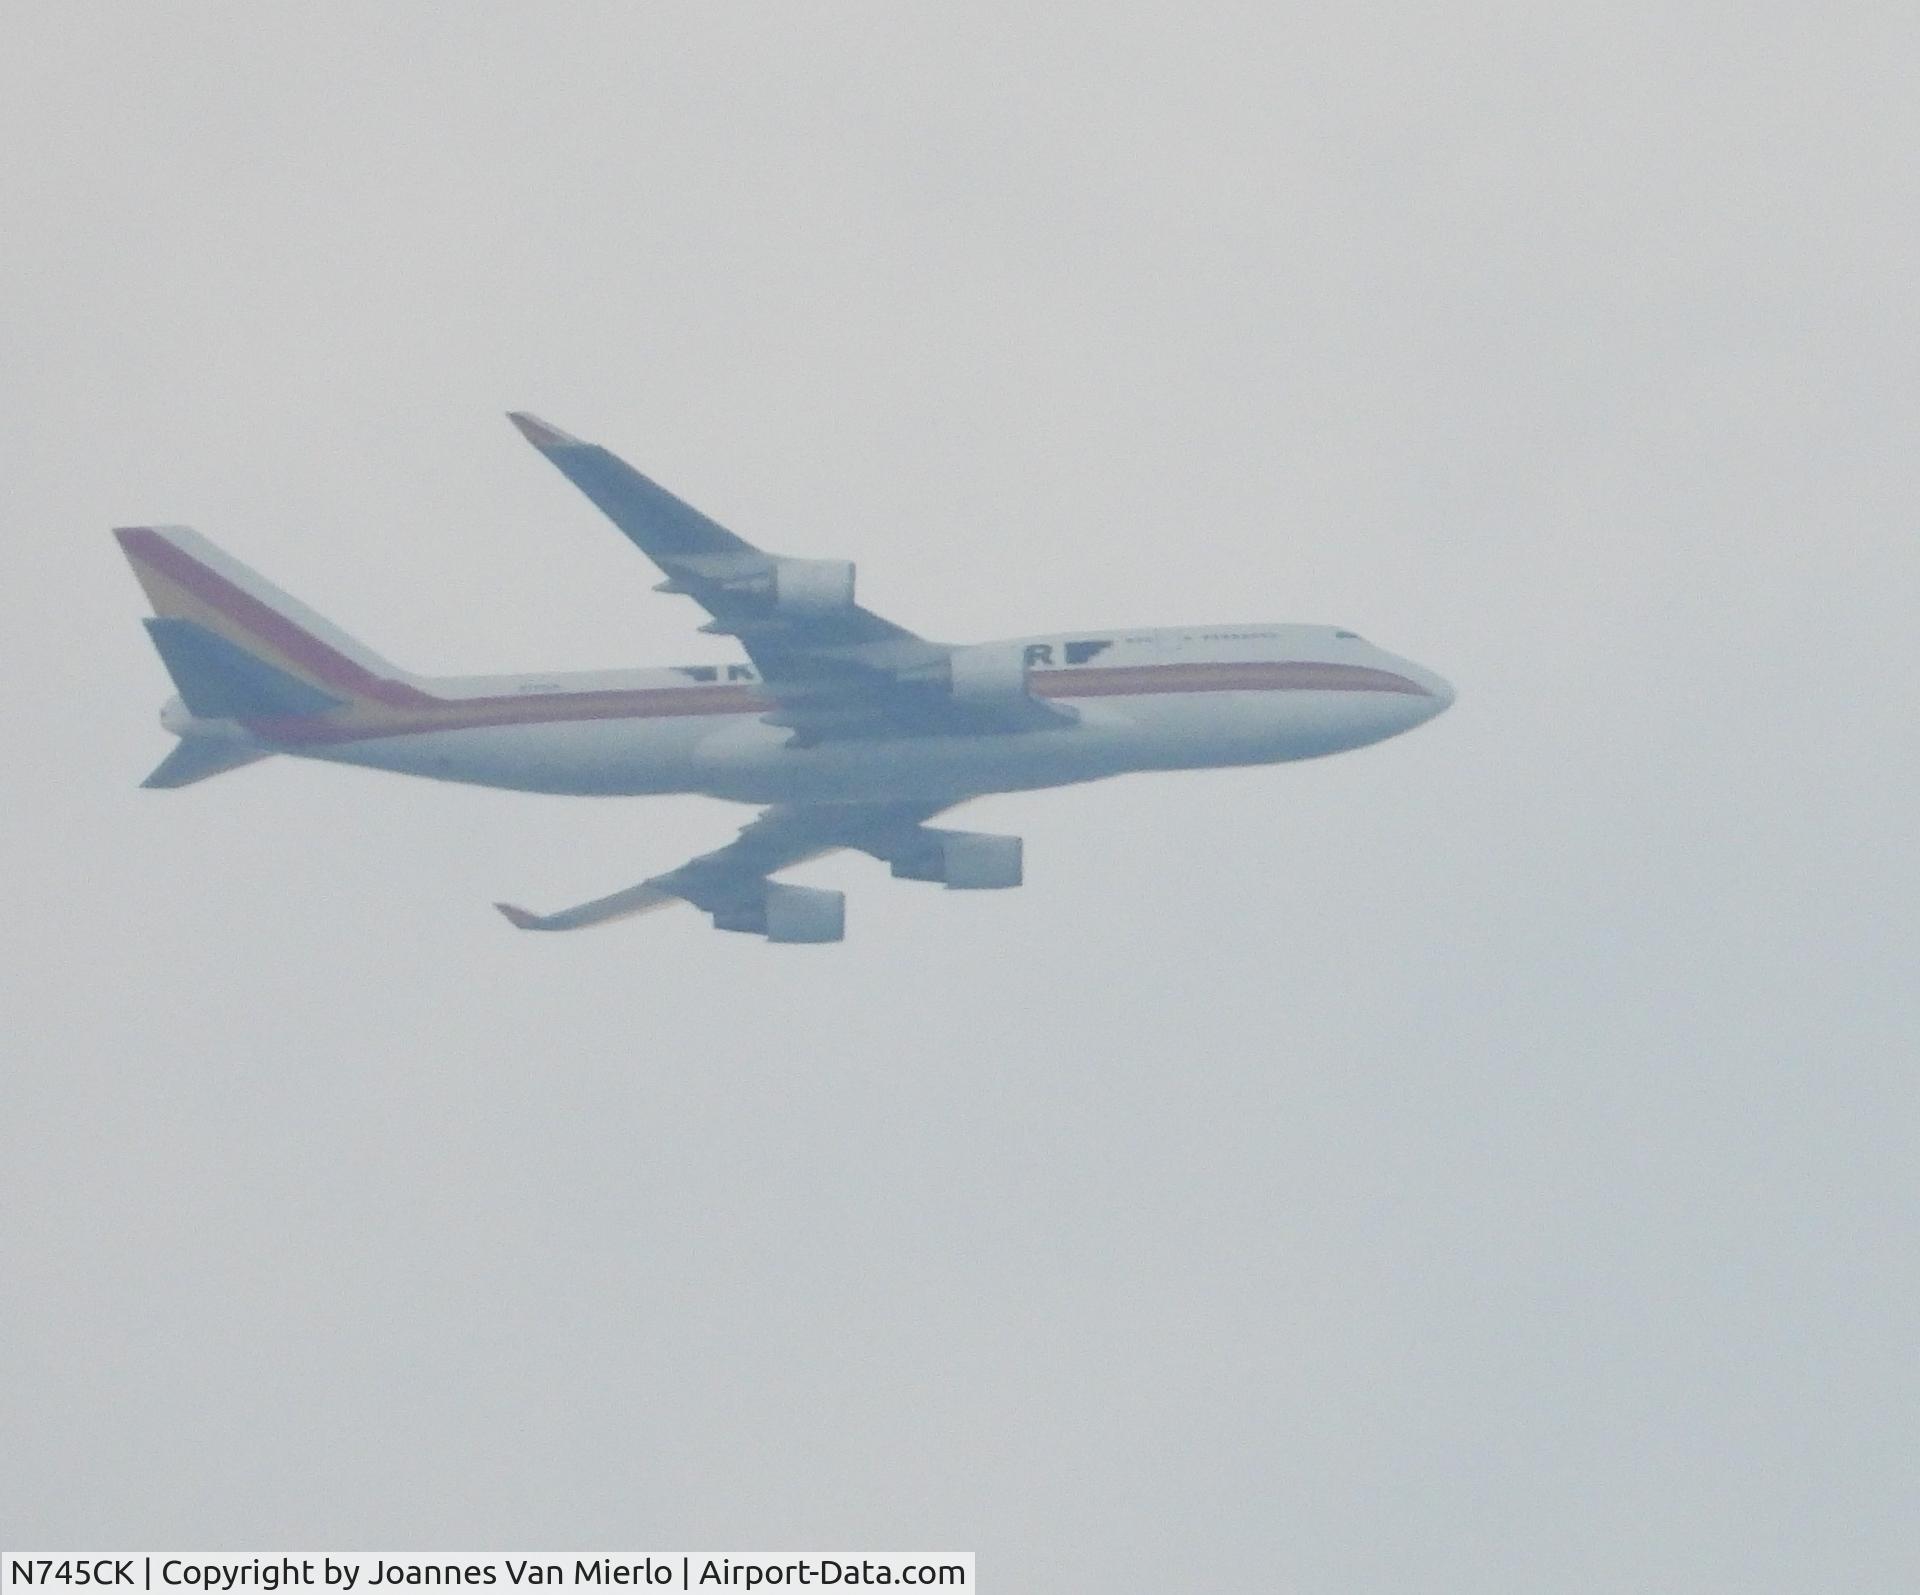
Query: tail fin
237 647
219 681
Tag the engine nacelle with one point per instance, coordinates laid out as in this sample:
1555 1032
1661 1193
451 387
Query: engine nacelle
812 588
805 914
789 914
963 861
992 673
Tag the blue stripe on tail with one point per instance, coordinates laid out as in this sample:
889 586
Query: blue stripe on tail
218 680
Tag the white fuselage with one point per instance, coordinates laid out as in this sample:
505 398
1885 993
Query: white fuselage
1166 699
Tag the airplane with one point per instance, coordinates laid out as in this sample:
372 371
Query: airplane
850 731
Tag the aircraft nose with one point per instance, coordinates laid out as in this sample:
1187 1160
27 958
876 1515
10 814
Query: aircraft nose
1438 690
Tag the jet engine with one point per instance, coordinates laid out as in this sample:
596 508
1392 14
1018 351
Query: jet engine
988 675
789 914
811 588
963 861
802 589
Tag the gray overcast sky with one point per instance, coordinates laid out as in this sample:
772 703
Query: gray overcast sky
1485 1161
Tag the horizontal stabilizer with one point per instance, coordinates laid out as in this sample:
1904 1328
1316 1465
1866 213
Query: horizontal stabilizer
196 758
219 680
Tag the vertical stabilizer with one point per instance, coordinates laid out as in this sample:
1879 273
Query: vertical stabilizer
211 607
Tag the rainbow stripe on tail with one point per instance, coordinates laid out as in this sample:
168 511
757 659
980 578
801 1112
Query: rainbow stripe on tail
187 579
246 656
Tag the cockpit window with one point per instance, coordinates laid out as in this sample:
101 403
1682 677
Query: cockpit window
1351 636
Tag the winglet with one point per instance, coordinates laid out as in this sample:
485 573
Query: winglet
519 918
540 435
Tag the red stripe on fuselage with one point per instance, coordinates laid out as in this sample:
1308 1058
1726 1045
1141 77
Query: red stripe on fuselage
1244 675
554 708
653 703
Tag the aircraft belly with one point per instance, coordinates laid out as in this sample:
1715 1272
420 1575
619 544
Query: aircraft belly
744 759
628 757
1179 731
757 763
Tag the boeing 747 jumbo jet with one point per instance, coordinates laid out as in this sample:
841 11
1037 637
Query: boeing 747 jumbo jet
852 731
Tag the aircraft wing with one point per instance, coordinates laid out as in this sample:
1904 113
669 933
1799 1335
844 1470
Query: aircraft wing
836 670
732 883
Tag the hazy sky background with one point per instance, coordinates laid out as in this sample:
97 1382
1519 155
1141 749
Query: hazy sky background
1485 1161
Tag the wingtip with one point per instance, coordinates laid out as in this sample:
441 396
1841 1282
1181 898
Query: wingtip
133 539
540 434
519 918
